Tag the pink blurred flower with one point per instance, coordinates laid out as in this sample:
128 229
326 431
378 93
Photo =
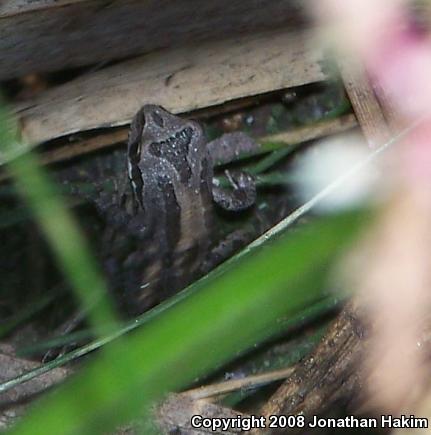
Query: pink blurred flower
396 278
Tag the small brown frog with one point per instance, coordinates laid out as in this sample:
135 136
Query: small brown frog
170 169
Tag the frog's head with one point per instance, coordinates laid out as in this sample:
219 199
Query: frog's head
156 131
157 134
157 124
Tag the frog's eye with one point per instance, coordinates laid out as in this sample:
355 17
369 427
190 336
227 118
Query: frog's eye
158 120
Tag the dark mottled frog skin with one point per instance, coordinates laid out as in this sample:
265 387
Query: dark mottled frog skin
169 215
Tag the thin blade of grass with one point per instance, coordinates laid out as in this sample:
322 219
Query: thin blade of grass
62 232
228 315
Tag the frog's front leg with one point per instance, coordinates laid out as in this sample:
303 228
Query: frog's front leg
242 193
229 146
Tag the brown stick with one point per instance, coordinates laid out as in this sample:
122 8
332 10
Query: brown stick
327 375
253 381
295 136
364 102
48 35
181 79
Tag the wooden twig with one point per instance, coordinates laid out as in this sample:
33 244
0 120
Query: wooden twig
118 136
329 374
365 104
393 118
182 80
85 146
294 136
313 131
249 382
48 35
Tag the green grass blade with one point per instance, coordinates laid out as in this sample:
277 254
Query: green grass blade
65 238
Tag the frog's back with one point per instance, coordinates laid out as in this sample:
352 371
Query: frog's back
171 175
